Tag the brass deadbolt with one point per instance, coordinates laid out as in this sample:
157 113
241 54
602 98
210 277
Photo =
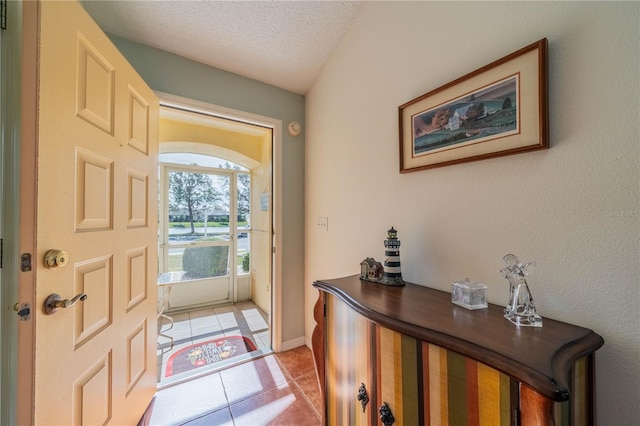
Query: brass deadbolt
56 258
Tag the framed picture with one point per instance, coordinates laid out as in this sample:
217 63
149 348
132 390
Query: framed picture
499 109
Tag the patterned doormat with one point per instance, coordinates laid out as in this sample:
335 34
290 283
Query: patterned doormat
207 353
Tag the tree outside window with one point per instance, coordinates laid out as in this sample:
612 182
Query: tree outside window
193 194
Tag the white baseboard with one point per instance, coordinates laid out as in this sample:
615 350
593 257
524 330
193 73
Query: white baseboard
293 343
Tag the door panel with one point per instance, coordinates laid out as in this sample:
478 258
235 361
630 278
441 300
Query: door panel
92 277
96 200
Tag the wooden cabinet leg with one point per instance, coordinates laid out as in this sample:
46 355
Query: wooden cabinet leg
317 344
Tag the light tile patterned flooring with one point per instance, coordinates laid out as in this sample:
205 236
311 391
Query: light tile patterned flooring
269 389
193 327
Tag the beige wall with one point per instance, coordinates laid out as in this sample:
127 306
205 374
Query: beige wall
261 229
574 208
249 146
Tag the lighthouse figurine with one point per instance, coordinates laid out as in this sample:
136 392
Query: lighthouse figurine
392 274
389 274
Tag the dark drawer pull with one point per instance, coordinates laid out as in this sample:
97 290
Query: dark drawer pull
385 415
362 396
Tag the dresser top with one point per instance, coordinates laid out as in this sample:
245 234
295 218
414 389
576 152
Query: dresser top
539 356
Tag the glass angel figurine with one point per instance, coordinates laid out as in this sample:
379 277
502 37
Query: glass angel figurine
520 309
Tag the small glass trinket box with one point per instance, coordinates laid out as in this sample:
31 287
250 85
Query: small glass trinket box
469 294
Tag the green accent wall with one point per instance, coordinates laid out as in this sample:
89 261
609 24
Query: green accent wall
173 74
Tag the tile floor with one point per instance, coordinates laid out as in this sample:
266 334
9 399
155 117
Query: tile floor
242 319
260 388
274 389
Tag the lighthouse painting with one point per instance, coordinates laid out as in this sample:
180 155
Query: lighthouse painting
390 272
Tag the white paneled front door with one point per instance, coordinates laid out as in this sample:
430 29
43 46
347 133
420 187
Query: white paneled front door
97 131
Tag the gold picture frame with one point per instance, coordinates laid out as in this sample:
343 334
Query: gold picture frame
499 109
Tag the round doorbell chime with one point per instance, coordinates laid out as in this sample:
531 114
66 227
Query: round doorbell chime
294 128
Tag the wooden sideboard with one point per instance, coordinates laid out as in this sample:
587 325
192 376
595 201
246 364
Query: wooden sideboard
431 362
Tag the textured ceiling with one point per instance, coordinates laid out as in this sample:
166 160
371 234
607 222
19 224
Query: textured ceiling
283 43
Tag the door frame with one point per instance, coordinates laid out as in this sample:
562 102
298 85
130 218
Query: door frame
179 102
10 89
24 17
